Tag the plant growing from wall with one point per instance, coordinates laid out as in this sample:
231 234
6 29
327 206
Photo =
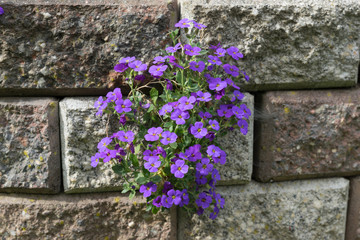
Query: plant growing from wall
166 146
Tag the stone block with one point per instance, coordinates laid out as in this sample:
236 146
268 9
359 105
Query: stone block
29 145
353 216
81 216
80 133
303 134
308 209
287 44
239 150
71 47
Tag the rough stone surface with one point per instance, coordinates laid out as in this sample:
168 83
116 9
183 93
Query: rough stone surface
308 134
95 216
51 47
287 44
309 209
239 150
81 131
29 145
353 216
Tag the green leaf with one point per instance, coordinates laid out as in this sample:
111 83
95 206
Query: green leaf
137 148
132 194
125 190
134 160
142 180
148 208
154 210
118 169
156 179
168 124
173 145
154 94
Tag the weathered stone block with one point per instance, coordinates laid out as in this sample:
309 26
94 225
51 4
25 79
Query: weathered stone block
239 150
95 216
309 209
353 216
287 44
29 145
70 47
307 134
80 133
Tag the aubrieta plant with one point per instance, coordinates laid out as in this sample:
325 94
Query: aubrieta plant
166 146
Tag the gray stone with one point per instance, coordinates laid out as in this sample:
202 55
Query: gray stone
82 216
239 150
71 47
29 145
81 131
308 209
287 44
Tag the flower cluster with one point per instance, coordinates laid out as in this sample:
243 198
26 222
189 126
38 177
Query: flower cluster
173 155
1 11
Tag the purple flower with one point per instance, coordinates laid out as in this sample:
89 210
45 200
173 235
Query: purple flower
180 116
214 214
168 137
102 145
219 200
167 187
198 131
157 201
167 108
183 23
237 111
215 175
210 136
108 155
200 179
153 134
245 76
122 119
197 66
179 168
121 67
234 53
159 59
131 147
205 115
125 137
148 189
243 126
204 200
160 151
213 151
198 25
152 165
145 106
99 102
169 85
220 52
95 160
123 105
166 201
216 84
175 195
246 111
173 49
205 167
138 66
215 47
219 95
139 77
203 96
214 125
191 51
186 103
224 111
127 60
113 96
231 83
214 60
221 159
184 198
157 70
1 11
231 69
193 153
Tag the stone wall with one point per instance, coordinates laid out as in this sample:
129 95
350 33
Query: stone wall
296 175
